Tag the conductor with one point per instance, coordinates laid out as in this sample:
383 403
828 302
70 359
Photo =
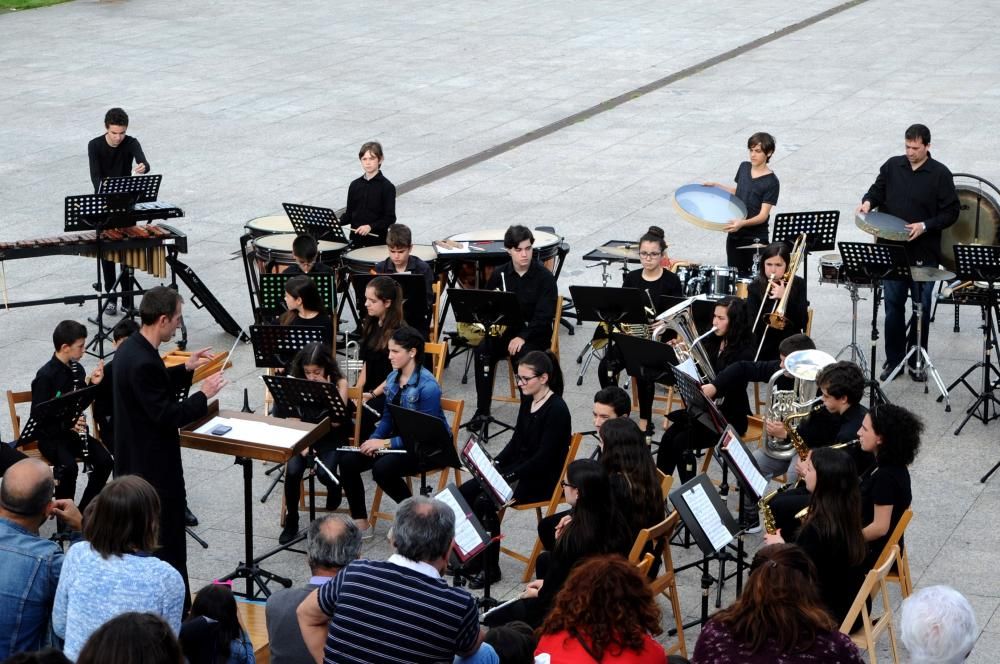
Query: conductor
147 415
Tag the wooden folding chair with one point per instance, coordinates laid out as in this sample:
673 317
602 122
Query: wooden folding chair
438 353
871 629
550 506
658 539
455 407
435 331
901 573
513 396
14 399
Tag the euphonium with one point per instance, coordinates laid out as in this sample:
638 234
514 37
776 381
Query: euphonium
785 406
680 318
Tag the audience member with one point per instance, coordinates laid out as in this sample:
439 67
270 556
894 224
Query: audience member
333 542
937 626
400 609
514 643
114 571
46 656
31 563
132 638
779 617
214 615
604 613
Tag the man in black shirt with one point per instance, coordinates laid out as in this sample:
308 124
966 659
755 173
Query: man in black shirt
61 447
536 292
371 200
111 155
920 191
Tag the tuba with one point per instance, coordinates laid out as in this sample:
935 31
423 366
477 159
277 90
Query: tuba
787 405
680 318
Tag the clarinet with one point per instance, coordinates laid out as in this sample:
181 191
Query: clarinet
84 433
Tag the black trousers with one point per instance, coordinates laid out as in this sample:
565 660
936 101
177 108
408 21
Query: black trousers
295 469
547 530
62 452
173 540
9 456
388 471
487 354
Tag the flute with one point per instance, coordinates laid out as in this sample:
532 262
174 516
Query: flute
351 448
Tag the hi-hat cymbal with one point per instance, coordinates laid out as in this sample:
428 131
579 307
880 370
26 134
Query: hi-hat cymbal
755 245
923 273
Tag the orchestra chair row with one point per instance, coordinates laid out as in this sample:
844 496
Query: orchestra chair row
657 539
550 506
455 407
874 587
513 396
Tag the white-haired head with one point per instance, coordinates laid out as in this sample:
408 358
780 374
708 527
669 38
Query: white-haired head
937 624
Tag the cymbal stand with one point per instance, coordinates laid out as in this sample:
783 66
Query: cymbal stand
588 353
857 353
923 359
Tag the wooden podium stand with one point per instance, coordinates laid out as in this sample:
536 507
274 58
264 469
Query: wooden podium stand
253 445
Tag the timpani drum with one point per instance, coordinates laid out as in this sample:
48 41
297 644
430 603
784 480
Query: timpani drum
274 252
270 225
708 207
546 249
364 260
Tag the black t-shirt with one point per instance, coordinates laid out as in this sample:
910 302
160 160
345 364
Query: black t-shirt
839 582
796 311
377 366
754 192
885 484
106 161
668 284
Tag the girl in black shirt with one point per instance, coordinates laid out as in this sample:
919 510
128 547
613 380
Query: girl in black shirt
774 263
892 434
384 304
304 305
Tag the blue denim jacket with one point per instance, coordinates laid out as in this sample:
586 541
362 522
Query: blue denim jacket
421 393
29 574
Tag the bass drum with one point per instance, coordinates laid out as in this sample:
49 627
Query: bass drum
973 203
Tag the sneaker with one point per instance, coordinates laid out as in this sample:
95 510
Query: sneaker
190 519
289 532
110 309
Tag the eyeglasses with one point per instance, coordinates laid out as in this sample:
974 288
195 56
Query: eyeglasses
650 254
567 485
524 380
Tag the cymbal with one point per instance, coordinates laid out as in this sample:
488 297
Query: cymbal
755 245
625 251
806 364
921 273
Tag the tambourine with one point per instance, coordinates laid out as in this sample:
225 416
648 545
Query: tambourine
708 207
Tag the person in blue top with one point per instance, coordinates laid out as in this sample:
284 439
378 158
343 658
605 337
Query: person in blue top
411 386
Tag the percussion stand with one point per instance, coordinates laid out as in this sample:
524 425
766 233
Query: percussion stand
589 352
982 263
856 351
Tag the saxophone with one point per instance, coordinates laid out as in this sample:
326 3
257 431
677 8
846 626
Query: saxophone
794 438
766 515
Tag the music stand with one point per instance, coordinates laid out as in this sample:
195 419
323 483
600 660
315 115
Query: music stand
471 539
319 222
414 287
981 263
702 310
820 228
272 292
275 346
613 307
647 359
63 410
864 261
147 186
491 309
706 517
427 438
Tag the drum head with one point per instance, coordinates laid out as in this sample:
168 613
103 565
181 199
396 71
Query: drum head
708 207
831 259
882 225
277 223
543 239
282 242
971 200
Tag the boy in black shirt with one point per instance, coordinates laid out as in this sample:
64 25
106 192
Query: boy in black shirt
305 251
111 155
60 375
371 200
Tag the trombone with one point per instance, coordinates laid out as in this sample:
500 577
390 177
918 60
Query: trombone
777 318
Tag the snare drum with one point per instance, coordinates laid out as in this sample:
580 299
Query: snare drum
274 252
831 269
364 260
274 224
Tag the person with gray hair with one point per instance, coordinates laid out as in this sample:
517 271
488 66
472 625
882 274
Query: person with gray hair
333 541
399 610
938 625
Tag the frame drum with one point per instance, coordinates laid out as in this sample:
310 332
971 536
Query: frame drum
974 203
277 223
883 226
276 250
364 260
708 207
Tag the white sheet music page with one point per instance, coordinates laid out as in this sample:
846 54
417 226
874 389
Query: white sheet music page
482 463
706 516
739 456
467 540
254 432
690 368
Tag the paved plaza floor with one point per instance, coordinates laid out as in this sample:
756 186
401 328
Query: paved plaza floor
584 116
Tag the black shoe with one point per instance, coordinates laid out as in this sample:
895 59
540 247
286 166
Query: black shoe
190 520
478 582
477 422
918 376
289 532
110 309
884 376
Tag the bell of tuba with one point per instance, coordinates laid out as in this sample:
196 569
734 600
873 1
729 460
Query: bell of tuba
680 318
788 405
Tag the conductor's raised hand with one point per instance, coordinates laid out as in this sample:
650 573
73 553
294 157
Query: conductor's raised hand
213 384
198 358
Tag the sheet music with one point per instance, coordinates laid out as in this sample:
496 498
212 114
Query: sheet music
707 517
254 432
690 368
496 481
746 467
466 538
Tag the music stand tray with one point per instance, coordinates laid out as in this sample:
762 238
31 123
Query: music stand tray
647 359
319 222
147 186
617 306
275 346
272 292
427 438
254 440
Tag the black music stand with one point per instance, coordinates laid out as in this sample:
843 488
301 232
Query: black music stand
981 263
319 222
275 346
613 307
647 359
63 410
472 543
415 305
491 309
147 186
272 293
820 228
427 438
864 261
707 518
